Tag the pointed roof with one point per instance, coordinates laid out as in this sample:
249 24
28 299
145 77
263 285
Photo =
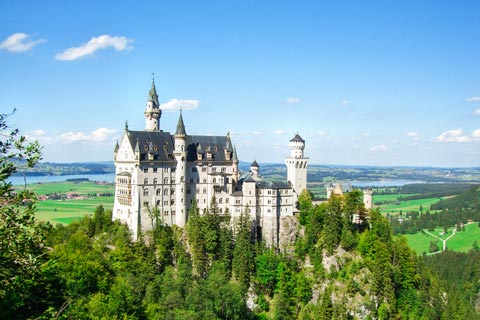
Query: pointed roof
254 164
152 95
116 147
297 138
180 126
234 155
137 146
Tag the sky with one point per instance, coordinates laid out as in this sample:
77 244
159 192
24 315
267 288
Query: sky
390 83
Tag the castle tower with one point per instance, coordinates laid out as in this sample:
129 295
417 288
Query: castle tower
254 168
330 189
152 110
297 165
180 153
368 198
235 164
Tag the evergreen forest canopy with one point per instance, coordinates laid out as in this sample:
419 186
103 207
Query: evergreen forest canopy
215 269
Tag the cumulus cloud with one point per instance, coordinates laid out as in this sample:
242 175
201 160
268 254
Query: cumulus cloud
381 147
292 100
473 99
96 43
458 136
176 104
414 135
477 112
20 42
344 103
279 132
257 133
99 135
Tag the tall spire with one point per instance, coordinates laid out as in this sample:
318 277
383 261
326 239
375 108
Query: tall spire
152 95
180 126
234 155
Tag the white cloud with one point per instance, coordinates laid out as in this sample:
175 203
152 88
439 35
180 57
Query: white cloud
20 42
477 112
257 133
279 132
414 135
473 99
458 136
176 104
344 103
381 147
292 100
96 43
99 135
320 133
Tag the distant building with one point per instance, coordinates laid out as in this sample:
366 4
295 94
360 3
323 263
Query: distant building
157 169
340 189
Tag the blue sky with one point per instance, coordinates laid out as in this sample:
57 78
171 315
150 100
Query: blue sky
363 82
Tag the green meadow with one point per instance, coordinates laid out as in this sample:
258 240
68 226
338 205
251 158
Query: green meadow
69 210
462 240
408 205
83 188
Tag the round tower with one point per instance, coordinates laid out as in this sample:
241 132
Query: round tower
152 110
297 165
368 198
330 189
180 153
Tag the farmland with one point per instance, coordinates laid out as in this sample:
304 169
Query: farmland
70 201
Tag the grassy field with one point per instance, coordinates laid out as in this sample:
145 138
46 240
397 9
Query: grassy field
66 211
64 187
409 205
462 240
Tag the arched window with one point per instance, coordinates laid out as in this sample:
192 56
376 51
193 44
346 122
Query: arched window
165 181
145 192
165 192
220 200
159 192
145 181
155 181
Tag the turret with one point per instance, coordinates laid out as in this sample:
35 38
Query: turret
297 165
368 198
115 151
152 110
235 163
254 168
330 189
180 154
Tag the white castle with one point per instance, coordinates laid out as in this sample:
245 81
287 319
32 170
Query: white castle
168 172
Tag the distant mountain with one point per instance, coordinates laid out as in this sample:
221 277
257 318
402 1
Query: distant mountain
61 169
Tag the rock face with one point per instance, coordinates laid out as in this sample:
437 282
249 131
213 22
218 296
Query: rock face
287 232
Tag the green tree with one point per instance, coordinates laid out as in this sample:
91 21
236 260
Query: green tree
21 242
243 263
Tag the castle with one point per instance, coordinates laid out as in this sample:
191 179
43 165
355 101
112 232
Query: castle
157 170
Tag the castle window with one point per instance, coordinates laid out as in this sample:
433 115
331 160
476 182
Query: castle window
165 203
220 200
226 200
189 191
145 192
154 169
191 180
155 181
214 180
204 190
145 181
145 169
158 203
172 191
224 169
145 203
214 169
204 180
204 169
221 210
165 192
159 192
172 202
165 181
194 169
